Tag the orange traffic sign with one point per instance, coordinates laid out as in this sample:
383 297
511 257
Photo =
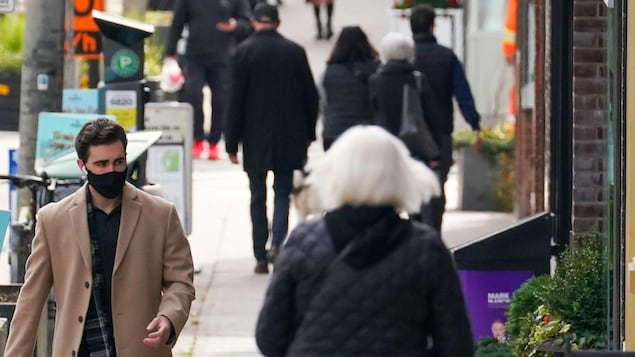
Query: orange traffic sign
83 19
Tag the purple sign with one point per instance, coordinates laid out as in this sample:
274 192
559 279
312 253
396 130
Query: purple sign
487 296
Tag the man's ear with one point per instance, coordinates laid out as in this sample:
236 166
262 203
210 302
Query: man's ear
82 166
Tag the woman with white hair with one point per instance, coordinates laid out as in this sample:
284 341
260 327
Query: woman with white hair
386 88
361 280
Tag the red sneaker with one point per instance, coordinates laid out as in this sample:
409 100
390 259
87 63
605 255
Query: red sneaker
197 148
212 152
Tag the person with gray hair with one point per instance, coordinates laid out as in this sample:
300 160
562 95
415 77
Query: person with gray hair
386 95
361 280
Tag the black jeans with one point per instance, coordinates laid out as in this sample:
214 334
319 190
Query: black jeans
282 185
432 213
199 72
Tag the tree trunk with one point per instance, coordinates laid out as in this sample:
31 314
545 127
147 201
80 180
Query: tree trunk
42 73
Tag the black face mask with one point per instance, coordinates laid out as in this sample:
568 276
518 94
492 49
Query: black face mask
109 185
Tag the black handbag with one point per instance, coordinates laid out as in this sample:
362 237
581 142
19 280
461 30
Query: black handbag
414 130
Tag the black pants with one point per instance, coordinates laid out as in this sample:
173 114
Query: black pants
198 73
282 185
432 213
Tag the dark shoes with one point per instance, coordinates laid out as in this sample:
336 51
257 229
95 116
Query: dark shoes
272 254
262 267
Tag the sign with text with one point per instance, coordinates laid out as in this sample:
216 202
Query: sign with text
7 6
87 44
56 135
487 296
86 35
83 17
122 104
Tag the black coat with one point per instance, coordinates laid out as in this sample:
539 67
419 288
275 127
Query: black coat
201 17
346 96
384 298
386 98
274 103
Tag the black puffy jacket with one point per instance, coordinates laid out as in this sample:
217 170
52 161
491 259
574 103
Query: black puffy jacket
396 287
345 96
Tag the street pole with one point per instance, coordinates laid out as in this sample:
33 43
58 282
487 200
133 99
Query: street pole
42 74
70 69
41 90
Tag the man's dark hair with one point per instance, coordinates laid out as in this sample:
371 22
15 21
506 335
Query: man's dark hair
421 18
352 45
101 131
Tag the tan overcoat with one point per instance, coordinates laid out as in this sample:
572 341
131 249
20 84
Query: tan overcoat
152 275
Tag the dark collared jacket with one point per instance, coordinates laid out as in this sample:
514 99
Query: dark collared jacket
273 105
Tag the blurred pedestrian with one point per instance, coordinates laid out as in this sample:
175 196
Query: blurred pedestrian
213 28
253 3
445 74
323 32
386 89
273 111
117 258
361 280
345 83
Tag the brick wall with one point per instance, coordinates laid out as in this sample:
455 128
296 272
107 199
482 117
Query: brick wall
590 117
530 145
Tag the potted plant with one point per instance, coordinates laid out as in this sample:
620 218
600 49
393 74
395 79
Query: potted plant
565 311
12 30
486 176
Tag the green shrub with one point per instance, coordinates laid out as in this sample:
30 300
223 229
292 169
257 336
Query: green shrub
579 291
520 314
11 40
570 305
490 347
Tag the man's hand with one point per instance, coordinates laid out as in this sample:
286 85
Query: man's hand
477 140
159 332
233 157
227 26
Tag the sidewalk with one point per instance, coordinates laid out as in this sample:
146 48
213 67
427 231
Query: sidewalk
229 294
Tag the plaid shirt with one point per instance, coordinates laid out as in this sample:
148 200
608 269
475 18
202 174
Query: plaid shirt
98 339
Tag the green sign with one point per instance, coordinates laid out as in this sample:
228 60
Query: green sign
125 63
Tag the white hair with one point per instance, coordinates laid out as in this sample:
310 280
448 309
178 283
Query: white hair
397 46
367 165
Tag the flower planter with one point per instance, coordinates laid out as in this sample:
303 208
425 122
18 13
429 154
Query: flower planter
478 177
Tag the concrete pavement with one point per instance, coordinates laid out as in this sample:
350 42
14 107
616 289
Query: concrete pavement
229 294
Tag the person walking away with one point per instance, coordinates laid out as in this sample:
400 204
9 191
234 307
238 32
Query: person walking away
117 258
323 32
214 27
361 280
386 90
273 112
345 83
447 79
